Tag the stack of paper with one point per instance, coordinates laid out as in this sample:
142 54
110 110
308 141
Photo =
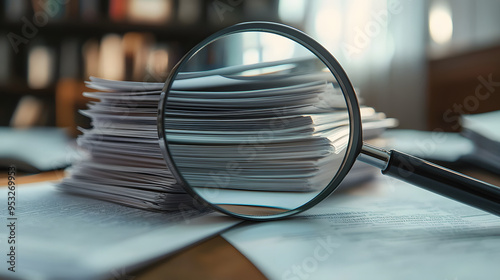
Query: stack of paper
124 162
286 131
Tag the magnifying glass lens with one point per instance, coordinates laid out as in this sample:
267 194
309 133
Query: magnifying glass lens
255 124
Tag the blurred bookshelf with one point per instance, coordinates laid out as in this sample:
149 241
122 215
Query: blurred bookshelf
49 48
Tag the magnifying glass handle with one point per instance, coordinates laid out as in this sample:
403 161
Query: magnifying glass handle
437 179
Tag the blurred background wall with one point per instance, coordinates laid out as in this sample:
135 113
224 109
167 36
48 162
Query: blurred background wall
423 62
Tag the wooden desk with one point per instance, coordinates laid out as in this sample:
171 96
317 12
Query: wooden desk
214 258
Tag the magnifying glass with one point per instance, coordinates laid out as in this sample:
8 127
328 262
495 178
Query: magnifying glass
260 122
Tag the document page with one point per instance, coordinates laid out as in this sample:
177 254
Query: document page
386 230
63 236
35 149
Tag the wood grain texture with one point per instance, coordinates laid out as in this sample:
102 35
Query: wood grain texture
21 178
211 259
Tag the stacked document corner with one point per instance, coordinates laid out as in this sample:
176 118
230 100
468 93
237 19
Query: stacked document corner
125 163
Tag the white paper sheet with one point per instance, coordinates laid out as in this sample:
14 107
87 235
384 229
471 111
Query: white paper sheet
397 231
62 236
35 149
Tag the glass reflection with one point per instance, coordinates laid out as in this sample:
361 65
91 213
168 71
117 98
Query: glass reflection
256 124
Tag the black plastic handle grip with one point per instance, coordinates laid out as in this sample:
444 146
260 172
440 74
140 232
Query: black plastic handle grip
444 181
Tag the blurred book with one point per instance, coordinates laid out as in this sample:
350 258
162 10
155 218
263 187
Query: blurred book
137 47
135 56
125 163
15 9
482 130
29 112
149 11
69 61
53 10
90 56
71 9
5 57
90 10
118 10
158 62
189 11
41 67
111 57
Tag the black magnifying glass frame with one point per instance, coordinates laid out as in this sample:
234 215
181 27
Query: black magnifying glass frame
355 136
408 168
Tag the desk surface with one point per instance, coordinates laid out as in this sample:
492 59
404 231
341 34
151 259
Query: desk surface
214 258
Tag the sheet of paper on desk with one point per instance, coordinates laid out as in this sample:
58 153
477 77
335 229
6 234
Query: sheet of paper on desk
35 149
62 236
397 232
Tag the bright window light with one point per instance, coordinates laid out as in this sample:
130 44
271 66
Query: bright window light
251 56
291 10
276 47
328 23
